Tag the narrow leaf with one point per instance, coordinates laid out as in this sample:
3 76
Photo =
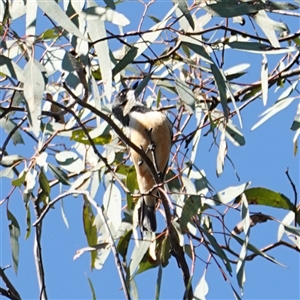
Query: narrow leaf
276 108
97 31
90 230
14 232
185 93
94 297
59 174
183 6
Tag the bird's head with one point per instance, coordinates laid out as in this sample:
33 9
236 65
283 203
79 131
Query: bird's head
122 105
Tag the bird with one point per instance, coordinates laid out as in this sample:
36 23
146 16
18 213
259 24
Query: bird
151 131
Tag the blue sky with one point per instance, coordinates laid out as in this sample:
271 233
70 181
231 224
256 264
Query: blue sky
263 161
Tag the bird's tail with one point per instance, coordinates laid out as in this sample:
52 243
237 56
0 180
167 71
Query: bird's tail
148 217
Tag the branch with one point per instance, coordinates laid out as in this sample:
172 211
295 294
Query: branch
11 292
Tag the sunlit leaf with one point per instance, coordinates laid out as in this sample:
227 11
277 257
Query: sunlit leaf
221 154
34 87
269 26
112 204
201 289
264 80
273 110
70 161
97 13
54 11
138 254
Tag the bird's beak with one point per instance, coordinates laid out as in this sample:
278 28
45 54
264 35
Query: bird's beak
130 102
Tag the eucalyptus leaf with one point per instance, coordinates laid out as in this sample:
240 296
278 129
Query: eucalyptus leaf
54 11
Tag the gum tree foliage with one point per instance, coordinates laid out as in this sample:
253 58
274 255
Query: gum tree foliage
61 65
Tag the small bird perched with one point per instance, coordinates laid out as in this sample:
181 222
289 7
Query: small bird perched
147 128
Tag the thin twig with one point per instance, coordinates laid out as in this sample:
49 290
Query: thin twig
295 194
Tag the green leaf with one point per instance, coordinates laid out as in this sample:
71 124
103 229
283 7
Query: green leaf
14 232
80 137
90 230
234 135
240 267
125 61
49 34
123 244
220 80
218 249
296 123
185 93
255 250
263 196
28 221
132 185
44 183
59 174
190 208
158 283
197 47
10 125
11 69
110 3
94 297
55 13
232 9
183 6
19 181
